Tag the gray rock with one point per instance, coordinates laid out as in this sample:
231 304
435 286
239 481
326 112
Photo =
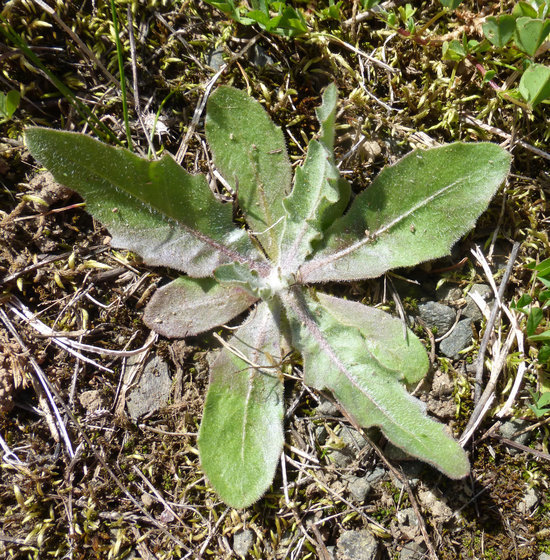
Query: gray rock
435 504
460 338
529 501
377 474
147 499
341 457
92 400
153 388
214 59
449 294
358 487
260 57
508 429
353 442
413 551
321 434
327 408
353 438
242 542
437 316
407 517
544 556
472 310
357 545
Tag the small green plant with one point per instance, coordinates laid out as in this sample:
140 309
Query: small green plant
527 27
275 17
299 234
8 105
537 329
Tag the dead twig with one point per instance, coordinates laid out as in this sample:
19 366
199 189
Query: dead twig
491 322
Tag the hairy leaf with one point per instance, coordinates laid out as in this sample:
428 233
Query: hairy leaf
154 208
241 434
414 211
397 350
189 306
337 357
250 152
319 195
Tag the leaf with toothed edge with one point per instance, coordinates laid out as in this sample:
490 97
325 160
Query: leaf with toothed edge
250 152
319 195
414 211
154 208
339 357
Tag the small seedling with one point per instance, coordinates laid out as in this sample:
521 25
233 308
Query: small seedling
8 105
299 235
537 329
274 17
527 27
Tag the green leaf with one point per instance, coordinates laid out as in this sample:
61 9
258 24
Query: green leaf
523 9
154 208
544 354
241 434
453 50
189 306
541 401
543 268
326 115
338 357
319 195
394 348
451 4
536 315
499 30
9 103
250 152
534 85
530 34
544 336
414 211
227 7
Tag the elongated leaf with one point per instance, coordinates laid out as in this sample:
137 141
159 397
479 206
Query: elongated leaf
189 306
399 353
319 195
326 115
414 211
241 434
250 152
154 208
337 357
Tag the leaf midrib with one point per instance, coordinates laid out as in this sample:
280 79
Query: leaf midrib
304 315
314 264
220 247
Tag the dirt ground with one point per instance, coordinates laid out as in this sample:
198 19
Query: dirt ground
85 475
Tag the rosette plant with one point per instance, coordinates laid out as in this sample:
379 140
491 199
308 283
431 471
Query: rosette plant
291 236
